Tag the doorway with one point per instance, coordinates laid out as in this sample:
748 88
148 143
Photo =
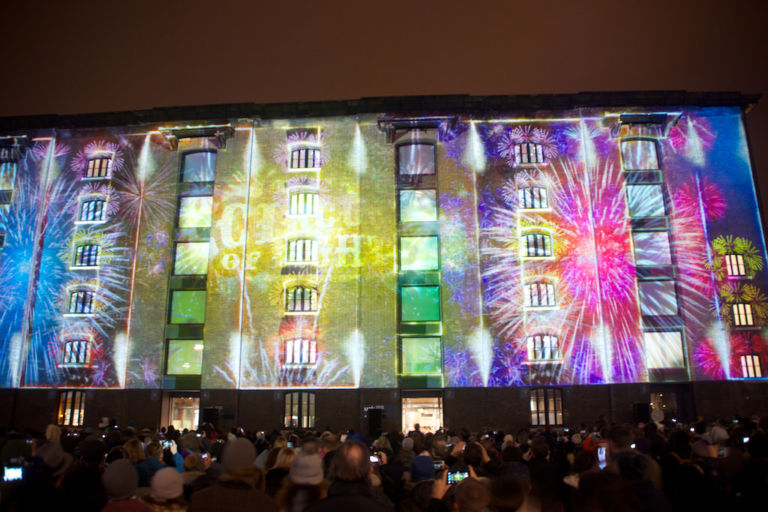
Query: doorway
427 411
182 410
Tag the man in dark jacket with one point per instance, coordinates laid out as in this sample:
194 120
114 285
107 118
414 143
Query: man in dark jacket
350 489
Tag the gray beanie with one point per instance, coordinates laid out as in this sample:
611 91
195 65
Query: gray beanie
238 454
166 484
407 443
306 469
120 480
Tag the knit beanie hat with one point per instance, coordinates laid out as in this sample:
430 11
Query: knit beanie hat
120 480
166 484
306 469
238 454
407 443
422 468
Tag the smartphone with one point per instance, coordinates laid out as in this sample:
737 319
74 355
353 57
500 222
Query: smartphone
455 477
167 444
290 445
745 440
601 457
438 464
12 473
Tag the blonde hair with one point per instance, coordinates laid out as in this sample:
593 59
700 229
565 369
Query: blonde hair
52 433
284 458
134 450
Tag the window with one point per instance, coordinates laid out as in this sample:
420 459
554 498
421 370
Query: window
546 406
301 299
188 307
750 366
543 347
302 250
416 159
195 212
540 295
658 298
185 357
87 255
71 408
664 349
742 315
529 153
734 263
2 239
99 167
191 259
299 409
418 205
651 248
645 201
199 166
300 352
536 245
532 198
639 155
419 253
81 302
92 210
305 158
77 352
302 203
420 303
421 356
8 168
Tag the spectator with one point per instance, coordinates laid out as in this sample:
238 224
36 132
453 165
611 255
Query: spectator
278 472
166 492
120 482
305 484
151 464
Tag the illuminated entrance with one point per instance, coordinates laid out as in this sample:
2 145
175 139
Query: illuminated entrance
181 410
427 411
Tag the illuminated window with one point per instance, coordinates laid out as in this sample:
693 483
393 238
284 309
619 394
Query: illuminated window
419 253
645 201
418 205
639 154
71 408
302 203
300 352
421 356
99 167
416 159
8 168
302 250
540 295
191 258
305 158
77 352
185 357
543 347
651 248
750 366
658 298
188 307
734 263
195 212
532 198
87 255
2 239
546 406
420 303
742 315
92 210
81 302
199 166
536 245
529 153
301 299
664 349
299 409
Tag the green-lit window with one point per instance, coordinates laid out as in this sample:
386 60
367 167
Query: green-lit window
199 166
185 357
420 303
419 253
195 212
421 356
191 259
645 201
188 307
418 205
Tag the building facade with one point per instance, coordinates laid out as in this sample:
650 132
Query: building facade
447 261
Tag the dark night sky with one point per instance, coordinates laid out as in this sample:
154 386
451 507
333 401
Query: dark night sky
91 56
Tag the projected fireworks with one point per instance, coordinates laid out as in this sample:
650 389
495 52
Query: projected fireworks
567 248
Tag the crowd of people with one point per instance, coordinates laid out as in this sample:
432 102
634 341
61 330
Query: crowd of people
705 466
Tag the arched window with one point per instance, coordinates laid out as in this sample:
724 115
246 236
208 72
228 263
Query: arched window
81 302
532 198
305 158
543 347
539 294
536 245
300 352
546 406
92 209
99 167
300 299
87 255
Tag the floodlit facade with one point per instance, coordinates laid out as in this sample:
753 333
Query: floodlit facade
442 260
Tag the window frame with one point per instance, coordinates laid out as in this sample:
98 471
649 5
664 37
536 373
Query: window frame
304 404
304 150
415 143
308 293
656 151
87 215
168 355
293 206
735 266
87 255
547 396
523 152
184 155
305 348
550 293
533 197
528 250
314 250
82 302
79 357
107 173
743 316
71 410
751 367
539 340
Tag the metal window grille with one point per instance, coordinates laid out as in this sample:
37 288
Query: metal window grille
301 299
532 198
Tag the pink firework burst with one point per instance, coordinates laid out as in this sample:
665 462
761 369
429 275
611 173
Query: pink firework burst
691 130
690 199
95 149
706 358
40 150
